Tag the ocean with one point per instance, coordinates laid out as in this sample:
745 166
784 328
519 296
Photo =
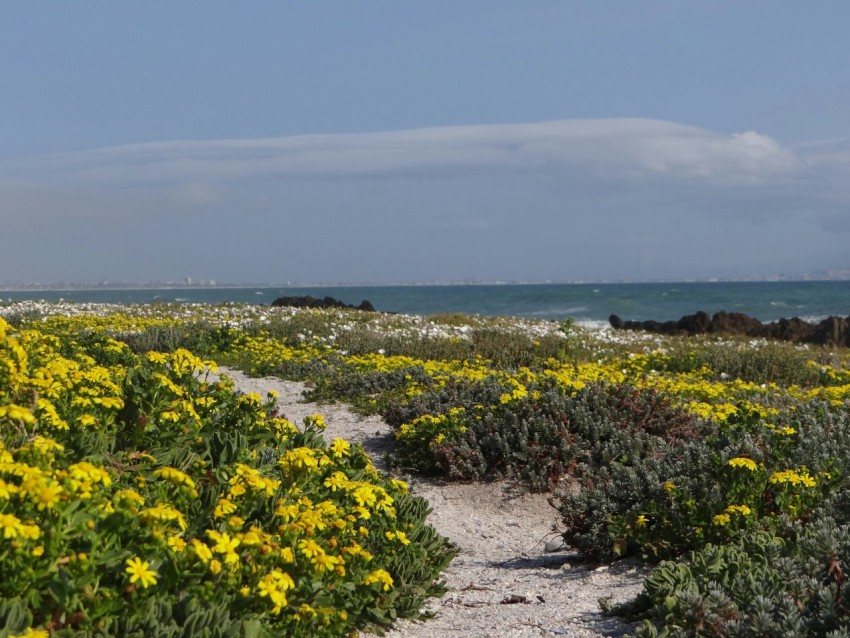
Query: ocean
589 304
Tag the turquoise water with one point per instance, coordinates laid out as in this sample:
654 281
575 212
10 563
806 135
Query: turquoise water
589 303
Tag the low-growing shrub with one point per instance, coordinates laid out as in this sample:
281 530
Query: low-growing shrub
744 474
138 496
758 362
789 585
540 433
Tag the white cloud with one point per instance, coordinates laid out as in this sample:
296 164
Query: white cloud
615 147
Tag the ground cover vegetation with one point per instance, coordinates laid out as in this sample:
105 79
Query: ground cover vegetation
140 497
723 461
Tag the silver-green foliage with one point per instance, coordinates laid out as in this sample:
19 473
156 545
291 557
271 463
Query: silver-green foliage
789 586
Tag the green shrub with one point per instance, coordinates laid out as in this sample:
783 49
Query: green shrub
792 585
663 500
138 496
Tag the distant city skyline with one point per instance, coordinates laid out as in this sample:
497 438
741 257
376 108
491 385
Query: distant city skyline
190 282
377 142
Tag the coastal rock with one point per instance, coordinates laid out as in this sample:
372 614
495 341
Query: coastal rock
832 331
695 324
735 323
307 301
795 330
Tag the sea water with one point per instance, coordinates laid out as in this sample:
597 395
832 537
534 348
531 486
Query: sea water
586 303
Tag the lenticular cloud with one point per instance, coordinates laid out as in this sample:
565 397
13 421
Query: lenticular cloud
611 147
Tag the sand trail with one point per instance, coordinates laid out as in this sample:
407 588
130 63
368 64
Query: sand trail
504 582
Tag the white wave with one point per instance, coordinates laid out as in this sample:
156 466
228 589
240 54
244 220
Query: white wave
593 324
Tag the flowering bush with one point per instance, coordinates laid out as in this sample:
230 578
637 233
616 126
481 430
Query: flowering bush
140 496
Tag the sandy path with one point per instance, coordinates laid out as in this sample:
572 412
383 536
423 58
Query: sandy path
502 536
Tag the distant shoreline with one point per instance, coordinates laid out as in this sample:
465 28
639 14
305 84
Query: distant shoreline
176 286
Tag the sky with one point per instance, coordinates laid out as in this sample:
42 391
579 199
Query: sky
343 142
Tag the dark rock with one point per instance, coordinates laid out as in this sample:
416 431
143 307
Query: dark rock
795 330
833 330
307 301
735 323
695 324
830 331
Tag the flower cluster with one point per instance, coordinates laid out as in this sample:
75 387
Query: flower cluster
127 480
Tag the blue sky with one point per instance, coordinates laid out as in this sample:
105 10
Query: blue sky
401 141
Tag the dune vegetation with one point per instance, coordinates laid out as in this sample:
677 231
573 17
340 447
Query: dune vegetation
138 494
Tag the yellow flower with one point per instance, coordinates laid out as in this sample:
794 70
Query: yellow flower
140 572
10 524
273 585
641 521
129 496
203 552
225 544
794 478
807 480
310 548
364 494
176 544
299 458
380 576
45 445
324 562
113 403
315 420
16 413
170 415
46 495
224 507
164 513
175 477
251 537
400 485
339 448
744 462
336 481
401 537
7 489
721 519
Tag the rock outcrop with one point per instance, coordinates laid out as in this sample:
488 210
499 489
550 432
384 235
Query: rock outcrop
307 301
831 331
